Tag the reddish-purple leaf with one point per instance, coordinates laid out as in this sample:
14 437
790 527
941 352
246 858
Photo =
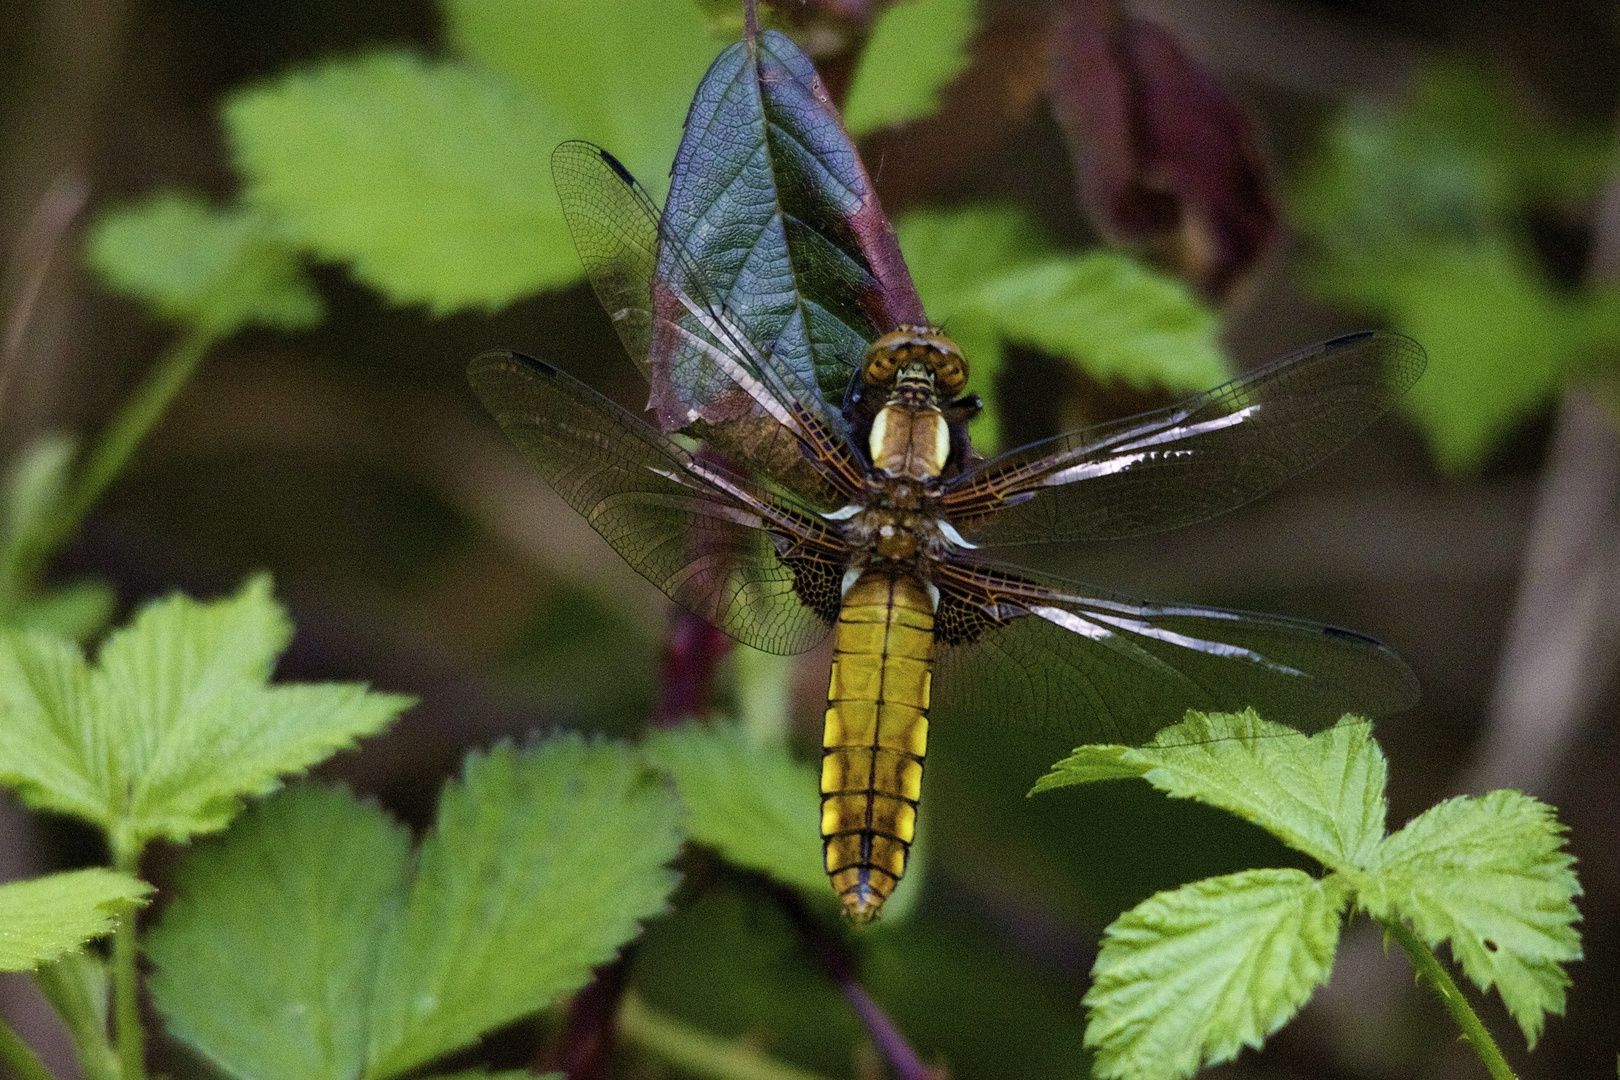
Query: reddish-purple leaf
1166 159
771 211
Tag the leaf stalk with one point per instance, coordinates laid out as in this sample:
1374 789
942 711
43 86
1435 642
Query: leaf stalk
128 1033
1430 970
117 444
698 1052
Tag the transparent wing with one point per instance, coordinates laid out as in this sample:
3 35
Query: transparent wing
1073 662
755 565
707 354
1203 457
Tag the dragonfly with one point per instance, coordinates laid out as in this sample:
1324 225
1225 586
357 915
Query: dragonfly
881 526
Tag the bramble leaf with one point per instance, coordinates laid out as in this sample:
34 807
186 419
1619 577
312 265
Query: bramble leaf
754 804
541 864
1322 794
267 954
175 723
1489 875
307 942
619 72
43 918
428 177
988 275
1119 319
218 268
772 201
1190 976
914 51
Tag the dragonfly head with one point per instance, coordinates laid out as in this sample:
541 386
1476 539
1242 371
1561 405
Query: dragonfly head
920 348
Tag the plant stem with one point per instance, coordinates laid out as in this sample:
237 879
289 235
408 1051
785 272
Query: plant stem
76 987
838 964
19 1057
1430 970
118 442
130 1036
696 1051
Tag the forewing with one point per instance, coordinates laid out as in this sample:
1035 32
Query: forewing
1078 664
760 568
1205 456
614 225
710 368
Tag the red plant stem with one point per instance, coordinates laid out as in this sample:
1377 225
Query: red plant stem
692 654
584 1049
838 963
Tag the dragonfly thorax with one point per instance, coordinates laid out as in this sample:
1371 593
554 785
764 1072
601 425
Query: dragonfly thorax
897 524
910 437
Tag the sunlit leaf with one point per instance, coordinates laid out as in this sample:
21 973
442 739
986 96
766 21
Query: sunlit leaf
1491 876
175 723
618 72
915 50
268 951
1191 976
1322 794
754 804
541 864
989 276
219 268
428 177
43 918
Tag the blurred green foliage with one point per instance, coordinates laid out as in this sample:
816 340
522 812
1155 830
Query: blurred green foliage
915 50
215 268
1428 215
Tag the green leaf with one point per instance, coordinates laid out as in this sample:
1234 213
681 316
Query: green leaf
541 865
1491 876
267 953
1322 794
77 611
1500 337
772 201
1191 976
915 50
509 1074
428 177
220 269
175 724
43 918
620 72
1116 317
752 803
989 276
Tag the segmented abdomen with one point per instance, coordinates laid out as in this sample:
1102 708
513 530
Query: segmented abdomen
876 735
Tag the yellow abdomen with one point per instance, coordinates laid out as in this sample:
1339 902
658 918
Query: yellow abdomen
876 736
